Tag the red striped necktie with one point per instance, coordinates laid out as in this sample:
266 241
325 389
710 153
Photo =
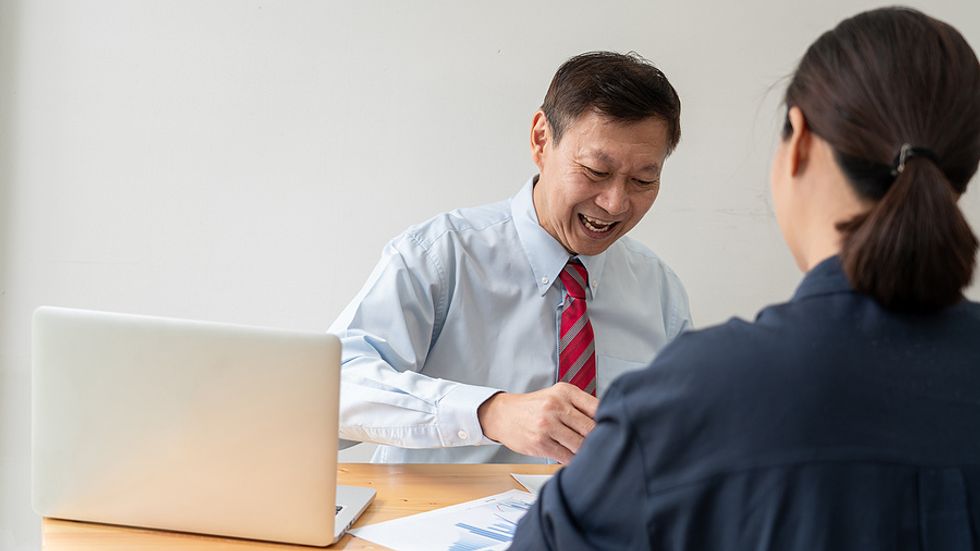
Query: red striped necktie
576 345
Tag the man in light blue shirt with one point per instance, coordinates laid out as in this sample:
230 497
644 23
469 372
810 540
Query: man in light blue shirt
451 350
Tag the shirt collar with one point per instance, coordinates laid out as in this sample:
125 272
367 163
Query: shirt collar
545 254
827 277
595 266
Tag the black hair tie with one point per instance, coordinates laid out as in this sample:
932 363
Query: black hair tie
906 153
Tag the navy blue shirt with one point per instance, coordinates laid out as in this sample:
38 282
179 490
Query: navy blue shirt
829 423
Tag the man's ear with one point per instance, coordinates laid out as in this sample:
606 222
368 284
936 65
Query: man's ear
800 142
540 137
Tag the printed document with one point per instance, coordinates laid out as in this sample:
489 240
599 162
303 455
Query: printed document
482 524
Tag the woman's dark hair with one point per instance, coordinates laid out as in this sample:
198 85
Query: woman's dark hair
880 80
623 87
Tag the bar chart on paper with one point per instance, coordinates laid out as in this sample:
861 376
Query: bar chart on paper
481 525
499 530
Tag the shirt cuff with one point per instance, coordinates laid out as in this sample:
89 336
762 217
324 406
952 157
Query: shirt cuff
459 424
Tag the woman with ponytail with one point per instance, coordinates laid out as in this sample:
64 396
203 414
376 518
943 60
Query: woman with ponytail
849 417
902 121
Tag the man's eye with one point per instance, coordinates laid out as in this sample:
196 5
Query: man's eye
596 174
646 183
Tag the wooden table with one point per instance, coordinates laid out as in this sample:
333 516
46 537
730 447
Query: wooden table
402 490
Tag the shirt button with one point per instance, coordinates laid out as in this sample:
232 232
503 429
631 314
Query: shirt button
462 435
544 280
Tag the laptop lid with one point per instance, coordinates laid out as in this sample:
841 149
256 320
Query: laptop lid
186 425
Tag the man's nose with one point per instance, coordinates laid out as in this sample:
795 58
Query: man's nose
614 199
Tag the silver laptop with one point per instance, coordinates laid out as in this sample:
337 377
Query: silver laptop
189 426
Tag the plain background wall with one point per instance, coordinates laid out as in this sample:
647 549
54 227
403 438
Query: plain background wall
245 161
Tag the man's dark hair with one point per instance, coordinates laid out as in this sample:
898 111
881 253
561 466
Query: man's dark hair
623 87
880 80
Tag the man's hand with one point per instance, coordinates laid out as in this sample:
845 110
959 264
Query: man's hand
548 423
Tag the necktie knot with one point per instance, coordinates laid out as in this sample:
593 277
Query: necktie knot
575 278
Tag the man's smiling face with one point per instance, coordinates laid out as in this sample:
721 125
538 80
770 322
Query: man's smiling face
599 180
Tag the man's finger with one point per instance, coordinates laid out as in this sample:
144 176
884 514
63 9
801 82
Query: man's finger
578 422
567 438
553 450
584 402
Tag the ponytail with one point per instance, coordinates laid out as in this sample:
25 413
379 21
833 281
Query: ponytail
913 251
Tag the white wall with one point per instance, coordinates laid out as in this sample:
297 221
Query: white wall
245 161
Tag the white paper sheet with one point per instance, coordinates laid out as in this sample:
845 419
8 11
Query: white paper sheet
483 524
532 482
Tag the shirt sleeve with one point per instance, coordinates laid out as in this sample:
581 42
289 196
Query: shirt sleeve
599 500
386 333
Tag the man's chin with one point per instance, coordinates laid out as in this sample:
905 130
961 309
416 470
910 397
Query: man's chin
590 247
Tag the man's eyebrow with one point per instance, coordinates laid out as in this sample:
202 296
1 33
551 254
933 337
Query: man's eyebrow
603 157
598 155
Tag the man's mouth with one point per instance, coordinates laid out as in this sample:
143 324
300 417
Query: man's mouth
595 225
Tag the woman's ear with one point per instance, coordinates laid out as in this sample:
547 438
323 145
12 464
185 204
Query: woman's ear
799 143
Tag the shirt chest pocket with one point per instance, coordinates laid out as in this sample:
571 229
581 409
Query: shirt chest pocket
609 369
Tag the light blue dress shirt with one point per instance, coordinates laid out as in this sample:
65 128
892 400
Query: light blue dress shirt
468 304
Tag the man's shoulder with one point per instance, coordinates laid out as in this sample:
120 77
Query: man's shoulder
735 362
706 368
462 223
691 388
642 260
699 352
